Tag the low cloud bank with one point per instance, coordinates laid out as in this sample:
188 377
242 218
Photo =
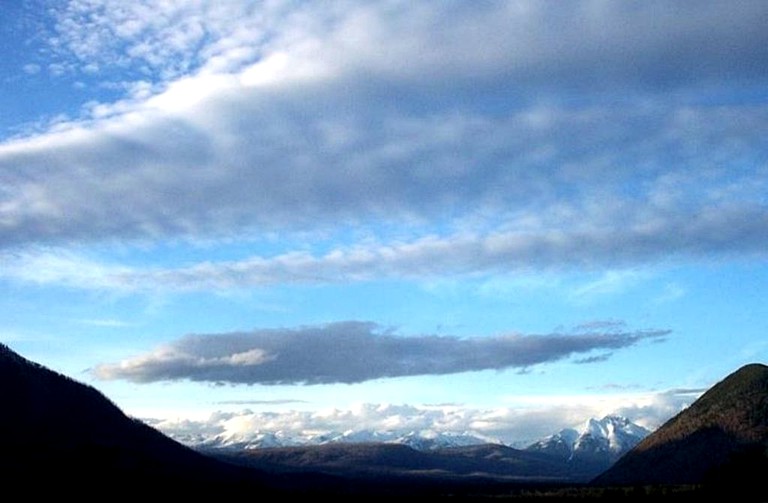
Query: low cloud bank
517 426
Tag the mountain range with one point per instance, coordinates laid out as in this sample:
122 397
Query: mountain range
603 439
570 455
422 440
62 437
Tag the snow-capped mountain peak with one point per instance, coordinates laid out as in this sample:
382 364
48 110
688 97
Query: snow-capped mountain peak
599 440
616 433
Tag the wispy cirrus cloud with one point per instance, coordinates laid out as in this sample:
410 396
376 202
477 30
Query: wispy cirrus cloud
351 352
104 322
261 402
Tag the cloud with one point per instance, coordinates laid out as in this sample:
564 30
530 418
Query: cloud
531 43
297 117
352 352
710 234
609 283
166 39
661 406
670 293
518 426
31 69
105 322
260 402
241 163
594 359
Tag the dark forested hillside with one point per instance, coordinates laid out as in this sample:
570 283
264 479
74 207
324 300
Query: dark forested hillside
61 435
721 439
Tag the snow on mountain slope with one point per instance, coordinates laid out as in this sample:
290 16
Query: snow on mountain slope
423 440
619 432
427 440
598 440
560 444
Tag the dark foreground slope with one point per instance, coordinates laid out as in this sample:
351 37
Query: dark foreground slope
374 461
61 436
721 440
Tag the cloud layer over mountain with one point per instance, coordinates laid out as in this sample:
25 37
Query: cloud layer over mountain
514 425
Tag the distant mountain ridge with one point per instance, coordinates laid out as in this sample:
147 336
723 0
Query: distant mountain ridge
422 440
604 439
722 439
571 455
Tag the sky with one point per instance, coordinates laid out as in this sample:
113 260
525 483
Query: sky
500 217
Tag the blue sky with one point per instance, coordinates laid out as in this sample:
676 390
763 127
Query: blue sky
497 217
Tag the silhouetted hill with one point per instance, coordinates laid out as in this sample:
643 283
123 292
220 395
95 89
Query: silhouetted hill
720 440
61 436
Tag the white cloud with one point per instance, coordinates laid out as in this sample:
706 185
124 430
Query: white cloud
520 424
609 283
537 42
31 68
64 268
105 322
670 293
341 132
372 114
656 409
